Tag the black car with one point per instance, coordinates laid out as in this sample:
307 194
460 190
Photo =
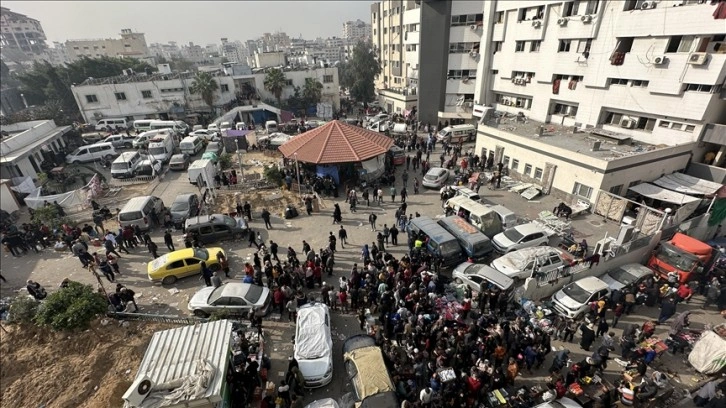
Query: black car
184 206
179 162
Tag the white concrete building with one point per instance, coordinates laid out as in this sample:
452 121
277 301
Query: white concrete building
22 151
328 77
163 96
641 79
269 59
130 44
357 30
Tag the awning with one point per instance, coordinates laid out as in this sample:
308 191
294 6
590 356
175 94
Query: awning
662 194
455 115
683 183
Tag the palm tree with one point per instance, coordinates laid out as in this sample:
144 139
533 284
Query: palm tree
205 85
312 91
275 82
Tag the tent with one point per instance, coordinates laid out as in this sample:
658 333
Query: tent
685 184
709 353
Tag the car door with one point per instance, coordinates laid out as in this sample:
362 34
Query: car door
95 152
222 303
476 281
176 268
193 206
192 266
221 232
238 306
206 234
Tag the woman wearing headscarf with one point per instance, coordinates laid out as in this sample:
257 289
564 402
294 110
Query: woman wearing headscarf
679 323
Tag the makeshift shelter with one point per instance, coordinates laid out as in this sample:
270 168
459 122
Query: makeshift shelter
337 143
685 204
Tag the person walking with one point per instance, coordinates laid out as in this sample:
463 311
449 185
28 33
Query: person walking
252 239
343 237
109 245
266 218
206 273
223 263
392 191
372 221
273 250
168 240
153 248
291 307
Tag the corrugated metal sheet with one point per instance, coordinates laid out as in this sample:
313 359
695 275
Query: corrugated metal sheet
174 354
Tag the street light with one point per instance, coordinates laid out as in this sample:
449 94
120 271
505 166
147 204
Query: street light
239 159
297 170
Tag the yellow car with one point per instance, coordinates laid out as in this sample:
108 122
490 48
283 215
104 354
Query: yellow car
184 262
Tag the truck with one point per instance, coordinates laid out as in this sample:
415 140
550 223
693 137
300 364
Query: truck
202 170
683 254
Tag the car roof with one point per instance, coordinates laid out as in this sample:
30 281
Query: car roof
528 228
492 275
235 289
202 219
183 197
436 170
636 269
563 402
591 284
179 156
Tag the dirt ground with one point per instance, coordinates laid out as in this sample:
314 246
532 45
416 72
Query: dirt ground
54 370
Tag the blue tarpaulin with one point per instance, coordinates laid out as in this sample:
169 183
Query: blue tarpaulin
331 171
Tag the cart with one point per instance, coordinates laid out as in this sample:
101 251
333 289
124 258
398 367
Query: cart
579 207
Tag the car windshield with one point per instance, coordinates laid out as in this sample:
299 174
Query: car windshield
157 151
119 166
577 293
442 133
676 258
75 152
179 206
216 294
177 159
432 176
622 276
513 235
230 221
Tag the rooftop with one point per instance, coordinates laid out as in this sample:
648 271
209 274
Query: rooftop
143 77
613 145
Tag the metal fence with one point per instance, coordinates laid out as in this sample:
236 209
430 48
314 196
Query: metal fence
131 181
184 320
551 277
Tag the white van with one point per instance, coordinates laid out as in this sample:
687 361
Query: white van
177 125
507 217
191 145
457 133
142 140
477 214
138 212
113 123
125 165
271 126
225 126
92 152
380 126
143 125
240 126
161 147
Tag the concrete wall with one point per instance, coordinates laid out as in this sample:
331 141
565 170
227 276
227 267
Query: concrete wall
434 50
706 172
7 198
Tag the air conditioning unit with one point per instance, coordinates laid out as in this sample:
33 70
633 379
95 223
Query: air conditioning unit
473 27
648 5
698 58
465 79
627 123
659 60
138 391
474 54
514 80
586 18
562 22
536 24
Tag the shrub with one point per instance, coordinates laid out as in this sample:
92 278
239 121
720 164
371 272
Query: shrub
225 161
71 308
274 175
23 309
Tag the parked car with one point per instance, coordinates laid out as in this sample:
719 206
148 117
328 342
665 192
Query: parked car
323 403
522 236
215 147
179 162
184 206
523 263
478 277
215 227
148 167
233 298
463 191
142 141
120 141
314 344
563 402
367 372
573 301
206 134
626 276
93 137
211 156
172 266
213 127
435 178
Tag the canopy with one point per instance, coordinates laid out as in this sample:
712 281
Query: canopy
709 353
662 194
683 183
372 377
336 142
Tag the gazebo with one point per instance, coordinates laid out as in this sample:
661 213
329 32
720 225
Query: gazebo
339 146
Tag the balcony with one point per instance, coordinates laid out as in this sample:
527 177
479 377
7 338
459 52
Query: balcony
402 94
715 134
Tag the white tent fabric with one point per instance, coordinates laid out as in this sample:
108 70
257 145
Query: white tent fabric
312 341
683 183
374 167
27 186
709 353
662 194
79 197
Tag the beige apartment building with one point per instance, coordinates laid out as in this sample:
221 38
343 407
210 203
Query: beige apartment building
130 44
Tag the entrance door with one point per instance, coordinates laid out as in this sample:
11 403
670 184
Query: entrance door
499 153
548 177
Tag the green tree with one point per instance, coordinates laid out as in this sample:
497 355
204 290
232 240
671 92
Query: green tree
23 309
360 73
205 85
71 308
181 64
312 91
275 82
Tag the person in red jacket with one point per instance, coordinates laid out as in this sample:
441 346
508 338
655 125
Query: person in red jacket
684 293
279 298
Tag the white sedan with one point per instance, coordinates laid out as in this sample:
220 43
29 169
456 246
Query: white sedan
436 177
234 298
314 344
208 135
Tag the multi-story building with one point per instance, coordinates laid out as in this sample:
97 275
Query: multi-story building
130 44
21 33
328 77
355 31
133 97
269 59
581 96
167 51
274 41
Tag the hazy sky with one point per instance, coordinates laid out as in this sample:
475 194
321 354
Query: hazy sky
202 22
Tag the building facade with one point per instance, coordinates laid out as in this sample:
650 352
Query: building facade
328 77
640 74
130 44
357 30
163 96
269 59
21 33
25 148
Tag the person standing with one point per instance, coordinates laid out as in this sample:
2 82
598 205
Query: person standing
153 248
223 263
206 273
216 280
380 196
266 218
392 191
343 237
168 240
394 235
372 220
291 307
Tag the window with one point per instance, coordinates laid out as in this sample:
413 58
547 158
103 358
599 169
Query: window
564 46
680 43
582 190
571 8
592 6
466 19
224 88
699 88
534 46
664 124
288 82
618 81
91 99
647 124
583 46
538 173
527 169
461 73
613 118
146 94
120 96
327 79
499 17
639 83
564 109
516 101
497 46
462 48
505 161
689 128
616 189
495 71
519 46
515 164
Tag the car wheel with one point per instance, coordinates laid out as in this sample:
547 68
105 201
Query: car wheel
201 313
109 157
128 145
168 280
458 281
544 244
238 235
76 162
